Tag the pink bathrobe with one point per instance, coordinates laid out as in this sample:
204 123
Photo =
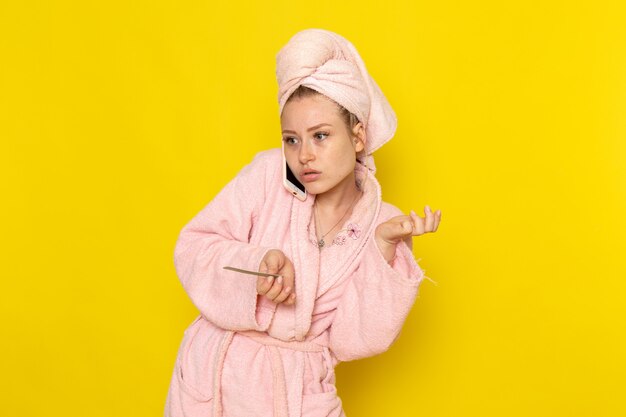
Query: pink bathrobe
245 356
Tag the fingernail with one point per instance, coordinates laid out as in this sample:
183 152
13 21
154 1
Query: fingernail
428 208
287 289
280 280
413 213
270 279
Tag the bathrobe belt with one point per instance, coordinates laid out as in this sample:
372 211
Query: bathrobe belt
281 404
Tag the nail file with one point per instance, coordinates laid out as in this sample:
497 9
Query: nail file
245 271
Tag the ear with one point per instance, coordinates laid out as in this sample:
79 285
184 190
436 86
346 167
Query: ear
359 137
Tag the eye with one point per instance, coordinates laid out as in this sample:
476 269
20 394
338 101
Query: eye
321 135
290 140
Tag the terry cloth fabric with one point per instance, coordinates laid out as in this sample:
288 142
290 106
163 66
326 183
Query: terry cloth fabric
246 356
330 64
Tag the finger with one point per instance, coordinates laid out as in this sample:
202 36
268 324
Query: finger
291 300
288 273
276 289
437 219
398 229
263 266
407 228
283 295
272 263
263 284
415 219
430 219
418 224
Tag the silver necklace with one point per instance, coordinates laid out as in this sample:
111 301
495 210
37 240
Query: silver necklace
321 243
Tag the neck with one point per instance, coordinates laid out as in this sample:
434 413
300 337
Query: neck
339 197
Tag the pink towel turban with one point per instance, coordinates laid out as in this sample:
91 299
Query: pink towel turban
330 64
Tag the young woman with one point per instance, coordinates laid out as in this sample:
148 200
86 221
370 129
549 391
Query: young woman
345 277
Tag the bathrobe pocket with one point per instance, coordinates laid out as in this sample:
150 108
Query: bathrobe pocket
196 362
325 404
320 392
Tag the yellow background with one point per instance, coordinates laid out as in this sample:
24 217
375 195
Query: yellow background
120 120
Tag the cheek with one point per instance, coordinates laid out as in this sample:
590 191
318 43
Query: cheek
348 158
291 157
344 165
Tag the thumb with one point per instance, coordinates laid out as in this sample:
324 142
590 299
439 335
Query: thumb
388 230
400 230
406 228
273 262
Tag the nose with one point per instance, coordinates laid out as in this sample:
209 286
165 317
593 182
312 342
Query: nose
305 154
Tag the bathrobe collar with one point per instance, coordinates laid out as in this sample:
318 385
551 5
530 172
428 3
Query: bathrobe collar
306 256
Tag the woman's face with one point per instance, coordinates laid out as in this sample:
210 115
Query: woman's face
319 148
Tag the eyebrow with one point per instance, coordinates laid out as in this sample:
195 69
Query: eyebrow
309 129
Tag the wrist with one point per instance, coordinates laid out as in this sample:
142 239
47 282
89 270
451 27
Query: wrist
387 249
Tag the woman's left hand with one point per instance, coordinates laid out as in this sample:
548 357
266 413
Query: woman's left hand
389 233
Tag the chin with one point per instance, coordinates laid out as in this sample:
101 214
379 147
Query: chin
315 189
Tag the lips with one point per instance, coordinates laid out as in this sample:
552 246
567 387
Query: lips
309 175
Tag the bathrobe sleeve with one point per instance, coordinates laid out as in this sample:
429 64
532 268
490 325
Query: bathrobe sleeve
375 303
218 236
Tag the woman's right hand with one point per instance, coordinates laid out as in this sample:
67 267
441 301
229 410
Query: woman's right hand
281 289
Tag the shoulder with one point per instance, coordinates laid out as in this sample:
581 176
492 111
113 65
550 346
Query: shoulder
268 157
265 165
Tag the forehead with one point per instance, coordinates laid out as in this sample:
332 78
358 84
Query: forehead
310 110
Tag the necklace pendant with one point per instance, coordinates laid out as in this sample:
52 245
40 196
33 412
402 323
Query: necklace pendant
321 243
